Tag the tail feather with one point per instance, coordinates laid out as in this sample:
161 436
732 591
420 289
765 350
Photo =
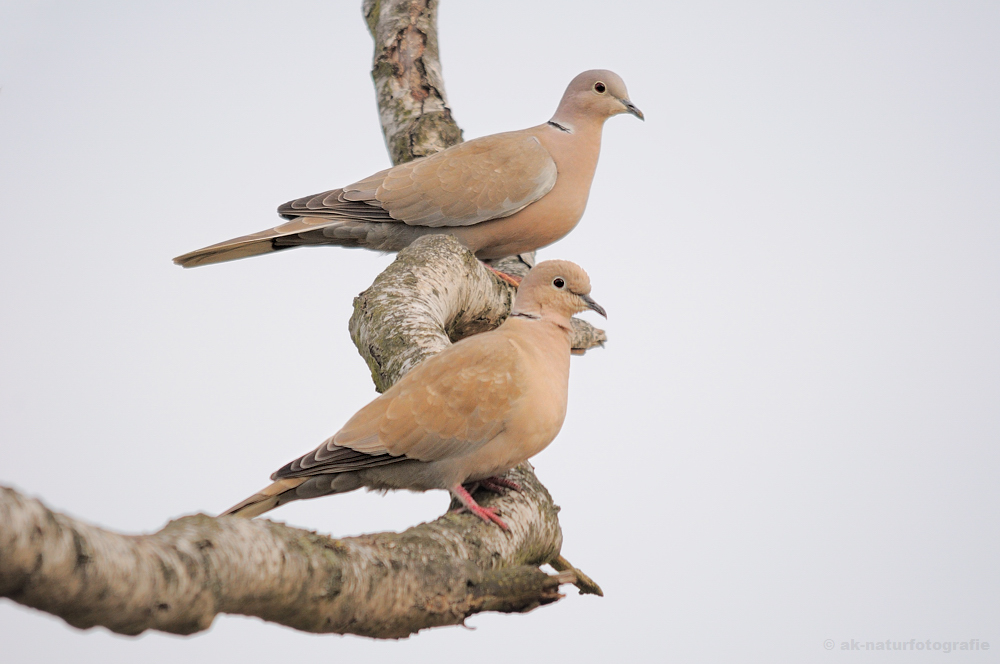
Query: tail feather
228 251
300 230
266 499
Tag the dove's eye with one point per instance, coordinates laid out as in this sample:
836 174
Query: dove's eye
600 87
559 282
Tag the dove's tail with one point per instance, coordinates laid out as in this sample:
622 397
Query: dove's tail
230 250
278 493
303 232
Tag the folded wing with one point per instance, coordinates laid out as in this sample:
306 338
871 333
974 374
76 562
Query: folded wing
448 406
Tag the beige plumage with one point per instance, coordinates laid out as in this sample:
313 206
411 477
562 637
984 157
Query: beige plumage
501 195
468 414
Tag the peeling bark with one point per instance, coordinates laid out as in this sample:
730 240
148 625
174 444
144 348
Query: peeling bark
406 70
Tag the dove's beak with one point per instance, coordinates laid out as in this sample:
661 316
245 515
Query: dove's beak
593 305
633 109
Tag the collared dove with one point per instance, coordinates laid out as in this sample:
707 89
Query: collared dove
500 195
468 414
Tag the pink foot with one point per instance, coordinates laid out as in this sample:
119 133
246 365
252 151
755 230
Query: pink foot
509 278
485 513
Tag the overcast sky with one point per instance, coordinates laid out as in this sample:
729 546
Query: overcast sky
792 435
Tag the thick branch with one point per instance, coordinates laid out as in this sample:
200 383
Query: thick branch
406 69
177 580
433 294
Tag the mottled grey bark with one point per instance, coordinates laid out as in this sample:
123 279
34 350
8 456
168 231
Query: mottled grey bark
406 69
177 580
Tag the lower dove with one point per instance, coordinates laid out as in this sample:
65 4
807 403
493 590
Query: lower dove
500 195
468 414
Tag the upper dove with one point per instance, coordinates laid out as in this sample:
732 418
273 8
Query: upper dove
500 195
468 414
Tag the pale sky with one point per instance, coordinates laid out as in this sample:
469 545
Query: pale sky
792 435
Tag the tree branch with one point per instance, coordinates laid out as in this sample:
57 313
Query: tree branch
406 69
177 580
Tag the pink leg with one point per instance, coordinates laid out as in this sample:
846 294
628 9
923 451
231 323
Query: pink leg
484 513
509 278
498 484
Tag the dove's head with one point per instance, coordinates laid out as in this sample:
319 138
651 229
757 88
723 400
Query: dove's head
594 95
555 289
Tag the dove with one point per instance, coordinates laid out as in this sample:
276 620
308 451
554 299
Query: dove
468 414
500 195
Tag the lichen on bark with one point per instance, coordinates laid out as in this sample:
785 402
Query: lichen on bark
406 69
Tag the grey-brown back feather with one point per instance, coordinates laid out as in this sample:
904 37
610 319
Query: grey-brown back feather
330 459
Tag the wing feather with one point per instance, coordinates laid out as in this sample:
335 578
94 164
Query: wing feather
482 179
449 405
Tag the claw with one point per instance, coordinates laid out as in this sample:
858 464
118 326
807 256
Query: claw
503 276
487 514
498 484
